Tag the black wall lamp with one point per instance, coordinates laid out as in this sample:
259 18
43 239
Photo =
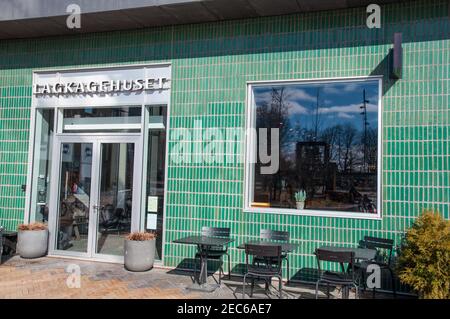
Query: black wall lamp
396 57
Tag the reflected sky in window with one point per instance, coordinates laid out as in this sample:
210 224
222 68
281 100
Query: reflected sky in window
341 100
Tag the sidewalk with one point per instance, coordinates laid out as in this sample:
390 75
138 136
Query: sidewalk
46 278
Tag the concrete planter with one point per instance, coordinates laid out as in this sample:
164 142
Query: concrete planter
32 243
139 255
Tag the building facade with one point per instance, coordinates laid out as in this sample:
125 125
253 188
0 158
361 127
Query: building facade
79 145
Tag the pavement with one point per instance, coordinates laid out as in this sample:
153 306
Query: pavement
50 277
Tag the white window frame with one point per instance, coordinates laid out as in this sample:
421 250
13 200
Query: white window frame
250 149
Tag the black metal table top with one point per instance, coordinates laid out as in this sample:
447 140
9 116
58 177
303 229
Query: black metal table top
360 253
204 240
8 233
286 247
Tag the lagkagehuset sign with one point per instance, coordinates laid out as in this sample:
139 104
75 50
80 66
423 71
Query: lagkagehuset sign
97 87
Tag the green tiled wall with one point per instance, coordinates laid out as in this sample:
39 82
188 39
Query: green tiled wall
211 64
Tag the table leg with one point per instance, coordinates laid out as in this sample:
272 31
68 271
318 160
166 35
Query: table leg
345 292
202 284
1 247
202 278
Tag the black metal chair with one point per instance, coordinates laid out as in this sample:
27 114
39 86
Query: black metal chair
277 235
215 252
382 260
343 278
267 265
1 243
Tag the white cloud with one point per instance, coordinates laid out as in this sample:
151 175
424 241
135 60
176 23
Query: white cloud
352 87
343 115
338 88
328 89
297 108
352 108
294 94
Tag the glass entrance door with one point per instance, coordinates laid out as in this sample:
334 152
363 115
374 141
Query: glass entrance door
97 196
115 197
74 197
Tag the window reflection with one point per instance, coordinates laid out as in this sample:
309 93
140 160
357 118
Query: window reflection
328 141
74 196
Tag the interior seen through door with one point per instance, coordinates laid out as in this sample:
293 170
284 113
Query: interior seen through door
74 196
115 197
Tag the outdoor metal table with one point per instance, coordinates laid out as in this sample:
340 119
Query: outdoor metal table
203 243
360 254
286 247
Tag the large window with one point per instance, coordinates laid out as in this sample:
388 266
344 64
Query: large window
315 149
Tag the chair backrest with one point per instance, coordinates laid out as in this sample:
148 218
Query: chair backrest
216 231
268 252
376 242
345 257
263 251
379 243
274 234
342 257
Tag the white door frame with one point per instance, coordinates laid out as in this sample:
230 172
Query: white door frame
96 141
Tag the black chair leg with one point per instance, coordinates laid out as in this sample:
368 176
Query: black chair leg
244 282
317 289
328 290
393 282
280 286
195 269
356 291
287 270
252 286
363 280
229 267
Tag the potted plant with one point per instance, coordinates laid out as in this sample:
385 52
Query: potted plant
32 240
300 198
139 254
424 257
